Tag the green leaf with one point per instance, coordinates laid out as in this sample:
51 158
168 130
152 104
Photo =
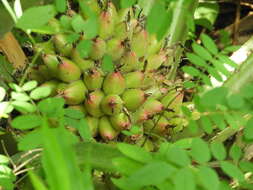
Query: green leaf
91 27
206 124
30 85
36 181
87 174
235 101
61 5
107 65
36 17
219 66
178 156
158 20
78 23
209 43
218 150
246 91
196 60
232 170
40 92
72 38
134 152
30 141
235 152
84 130
15 87
215 96
5 109
19 96
201 51
24 122
186 111
218 119
24 107
208 178
73 113
51 106
2 93
226 60
126 3
200 150
126 166
207 10
191 71
65 22
4 160
248 130
184 179
146 175
215 74
231 120
84 47
246 166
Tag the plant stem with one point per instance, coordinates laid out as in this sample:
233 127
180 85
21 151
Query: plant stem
9 9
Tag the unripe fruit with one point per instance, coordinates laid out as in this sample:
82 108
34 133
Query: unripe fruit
114 83
153 106
106 130
52 63
156 60
74 93
61 45
148 146
83 64
61 87
158 125
112 104
45 47
129 62
93 79
34 74
157 92
68 71
133 98
45 72
52 84
93 125
98 49
115 48
92 103
55 25
89 5
120 121
141 115
134 79
139 43
153 44
79 107
107 21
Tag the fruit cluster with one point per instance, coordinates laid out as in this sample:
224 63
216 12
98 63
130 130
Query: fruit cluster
136 92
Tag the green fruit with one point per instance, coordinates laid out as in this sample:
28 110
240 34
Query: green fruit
88 7
139 43
55 25
153 106
115 48
107 21
92 103
93 79
141 116
61 44
133 98
60 88
153 45
112 104
98 49
148 146
45 47
120 121
68 71
129 62
134 79
93 125
44 71
83 64
52 62
74 93
156 60
114 83
106 130
79 107
159 125
157 92
52 84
